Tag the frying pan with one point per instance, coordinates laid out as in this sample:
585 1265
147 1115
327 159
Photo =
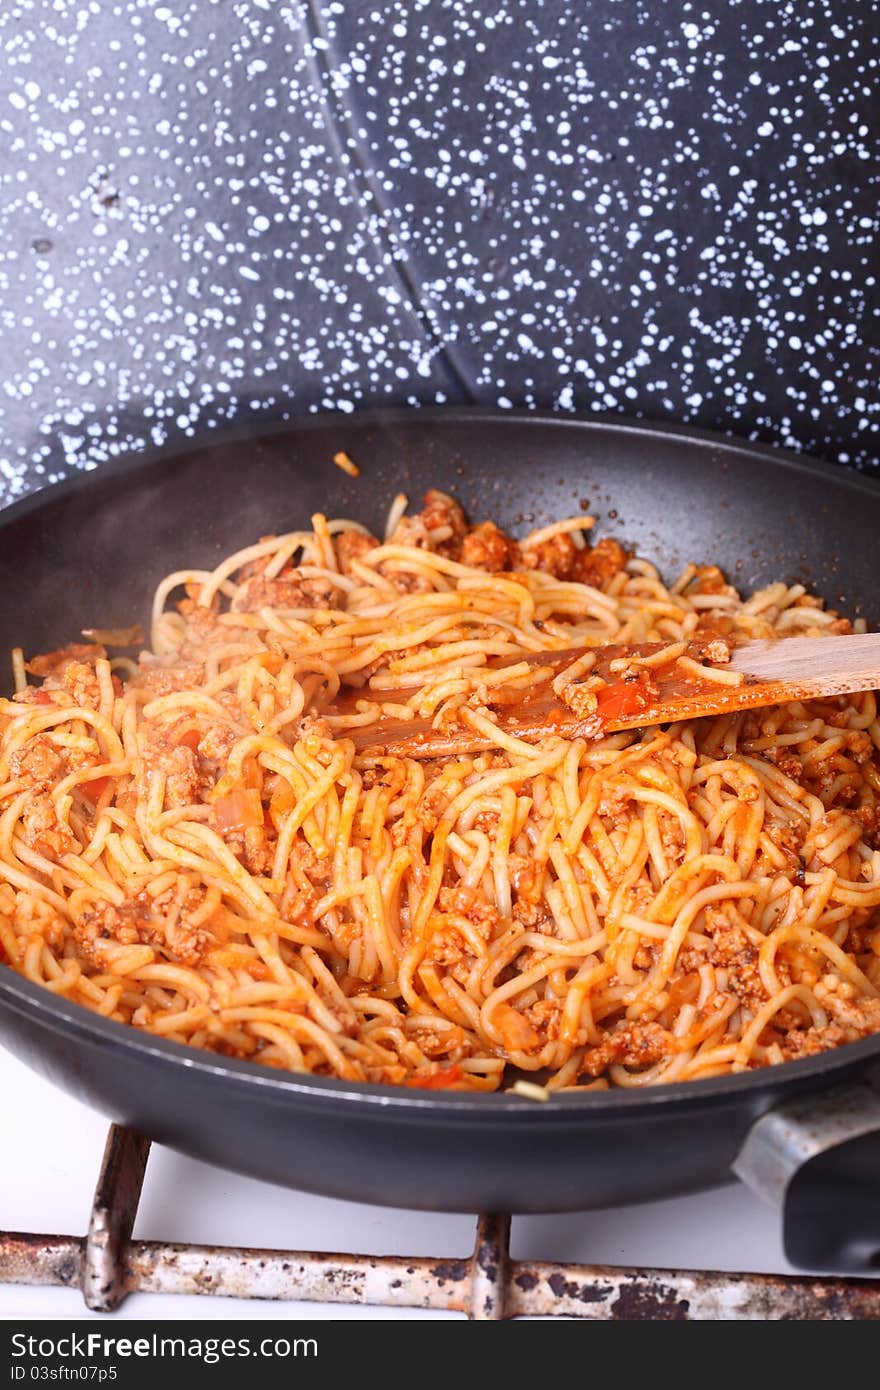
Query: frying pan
88 553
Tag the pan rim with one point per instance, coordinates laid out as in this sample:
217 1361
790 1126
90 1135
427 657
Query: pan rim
65 1018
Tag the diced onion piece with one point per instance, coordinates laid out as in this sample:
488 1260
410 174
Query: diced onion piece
116 636
517 1033
239 809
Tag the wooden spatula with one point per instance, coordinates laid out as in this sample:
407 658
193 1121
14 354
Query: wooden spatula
633 696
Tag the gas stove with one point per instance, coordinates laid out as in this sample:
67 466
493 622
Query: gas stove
197 1230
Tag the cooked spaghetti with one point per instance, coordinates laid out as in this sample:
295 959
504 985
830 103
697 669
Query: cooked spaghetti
191 844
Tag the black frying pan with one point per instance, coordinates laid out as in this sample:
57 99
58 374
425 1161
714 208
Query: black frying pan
88 553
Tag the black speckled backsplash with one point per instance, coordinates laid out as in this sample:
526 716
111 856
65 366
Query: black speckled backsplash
218 210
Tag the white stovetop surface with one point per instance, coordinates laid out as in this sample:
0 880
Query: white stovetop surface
51 1149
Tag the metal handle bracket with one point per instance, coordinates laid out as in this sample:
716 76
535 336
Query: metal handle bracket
818 1159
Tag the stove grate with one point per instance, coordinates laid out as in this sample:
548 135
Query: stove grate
107 1265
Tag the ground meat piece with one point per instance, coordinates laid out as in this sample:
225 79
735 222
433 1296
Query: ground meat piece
203 624
708 580
440 527
643 1044
859 745
556 556
634 1045
81 683
467 902
789 837
861 1016
183 783
646 955
351 545
159 753
250 847
170 917
597 1059
38 762
717 650
214 748
308 866
289 590
443 514
166 680
411 531
789 763
54 663
442 1043
487 547
533 914
807 1042
583 702
42 830
163 923
597 565
860 939
448 947
107 921
544 1016
732 950
868 817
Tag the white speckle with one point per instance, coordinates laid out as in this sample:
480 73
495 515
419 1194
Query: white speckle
765 128
248 272
214 231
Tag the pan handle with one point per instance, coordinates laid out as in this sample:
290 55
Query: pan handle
819 1160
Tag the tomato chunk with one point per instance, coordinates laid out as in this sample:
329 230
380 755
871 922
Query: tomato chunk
94 789
438 1080
623 700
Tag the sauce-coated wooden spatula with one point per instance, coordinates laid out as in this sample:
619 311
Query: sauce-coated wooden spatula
627 687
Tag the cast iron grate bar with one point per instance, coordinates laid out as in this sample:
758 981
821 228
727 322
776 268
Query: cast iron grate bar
107 1265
